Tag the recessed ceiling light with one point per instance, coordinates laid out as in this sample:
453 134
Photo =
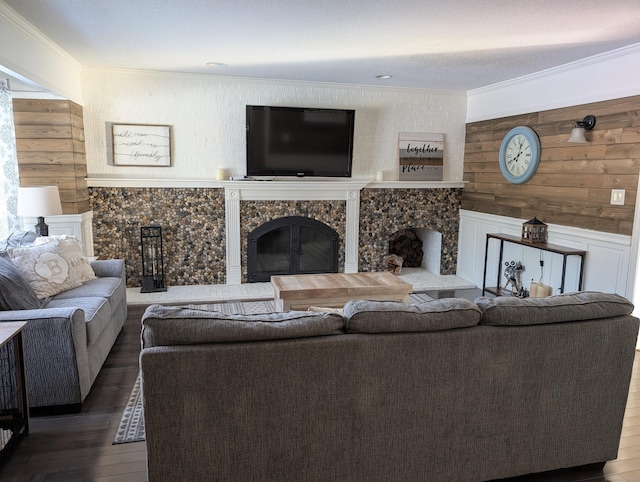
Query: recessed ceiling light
216 64
384 76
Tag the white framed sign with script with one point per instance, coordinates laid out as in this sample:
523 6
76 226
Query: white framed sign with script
420 156
141 145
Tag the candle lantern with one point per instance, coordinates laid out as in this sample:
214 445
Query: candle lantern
534 231
152 259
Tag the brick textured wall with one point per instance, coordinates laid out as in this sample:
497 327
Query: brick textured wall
207 115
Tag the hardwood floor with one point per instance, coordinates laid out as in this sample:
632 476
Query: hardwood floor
79 447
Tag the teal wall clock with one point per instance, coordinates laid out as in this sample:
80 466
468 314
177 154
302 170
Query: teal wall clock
519 154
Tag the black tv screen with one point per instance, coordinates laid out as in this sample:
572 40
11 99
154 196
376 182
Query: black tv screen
296 141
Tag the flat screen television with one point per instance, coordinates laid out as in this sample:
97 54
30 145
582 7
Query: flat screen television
298 141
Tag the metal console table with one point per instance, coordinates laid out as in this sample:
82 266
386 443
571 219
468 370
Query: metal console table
553 248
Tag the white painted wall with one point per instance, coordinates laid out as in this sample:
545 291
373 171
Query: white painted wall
207 115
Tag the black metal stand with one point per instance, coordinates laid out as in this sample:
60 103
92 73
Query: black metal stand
152 259
552 248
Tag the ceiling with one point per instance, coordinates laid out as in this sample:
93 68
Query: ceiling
447 44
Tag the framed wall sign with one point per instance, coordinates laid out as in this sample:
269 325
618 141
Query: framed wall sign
141 145
420 156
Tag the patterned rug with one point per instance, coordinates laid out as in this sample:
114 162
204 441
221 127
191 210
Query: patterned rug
131 428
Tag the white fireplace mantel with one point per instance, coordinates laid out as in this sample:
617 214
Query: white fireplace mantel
234 192
289 185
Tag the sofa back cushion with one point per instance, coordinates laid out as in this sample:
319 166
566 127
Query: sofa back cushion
364 316
584 305
16 239
175 325
15 291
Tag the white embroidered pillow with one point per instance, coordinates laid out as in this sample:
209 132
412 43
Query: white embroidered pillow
72 249
52 268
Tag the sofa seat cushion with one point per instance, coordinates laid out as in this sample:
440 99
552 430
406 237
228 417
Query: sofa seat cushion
175 325
101 287
97 313
579 306
15 291
364 316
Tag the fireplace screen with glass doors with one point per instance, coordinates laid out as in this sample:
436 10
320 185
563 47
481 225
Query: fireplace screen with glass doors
291 245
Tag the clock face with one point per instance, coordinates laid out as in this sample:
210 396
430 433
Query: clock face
519 154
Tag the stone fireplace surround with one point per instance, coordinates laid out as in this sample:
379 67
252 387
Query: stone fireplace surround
205 223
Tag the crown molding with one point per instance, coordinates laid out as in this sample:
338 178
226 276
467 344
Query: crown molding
35 59
37 36
610 75
571 66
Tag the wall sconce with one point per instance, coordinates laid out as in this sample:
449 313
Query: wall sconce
586 124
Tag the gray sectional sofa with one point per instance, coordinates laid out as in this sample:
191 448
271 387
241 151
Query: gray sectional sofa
449 390
68 336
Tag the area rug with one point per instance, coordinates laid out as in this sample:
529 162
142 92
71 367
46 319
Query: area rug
131 428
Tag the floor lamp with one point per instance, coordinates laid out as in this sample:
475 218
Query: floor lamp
39 202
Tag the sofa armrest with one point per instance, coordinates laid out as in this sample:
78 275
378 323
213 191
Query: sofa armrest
113 268
55 341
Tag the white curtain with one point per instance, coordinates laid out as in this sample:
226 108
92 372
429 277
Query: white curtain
9 221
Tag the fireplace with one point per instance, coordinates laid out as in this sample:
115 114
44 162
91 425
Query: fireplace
364 216
291 245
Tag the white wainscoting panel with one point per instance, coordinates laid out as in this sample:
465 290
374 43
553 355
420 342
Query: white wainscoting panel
606 264
77 225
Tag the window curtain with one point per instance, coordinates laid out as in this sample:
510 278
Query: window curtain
9 221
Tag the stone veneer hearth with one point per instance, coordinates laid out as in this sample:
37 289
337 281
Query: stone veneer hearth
195 222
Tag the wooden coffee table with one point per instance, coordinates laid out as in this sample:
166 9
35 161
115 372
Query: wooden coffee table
333 290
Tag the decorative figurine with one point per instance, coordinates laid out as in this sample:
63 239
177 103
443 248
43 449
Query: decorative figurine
511 272
534 231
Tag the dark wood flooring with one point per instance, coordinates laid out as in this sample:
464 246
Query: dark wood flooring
79 447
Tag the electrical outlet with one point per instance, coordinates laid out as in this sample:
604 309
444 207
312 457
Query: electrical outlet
617 197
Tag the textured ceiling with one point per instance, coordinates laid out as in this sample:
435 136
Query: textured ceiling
448 44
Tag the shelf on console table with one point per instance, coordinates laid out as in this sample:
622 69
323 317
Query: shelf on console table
552 248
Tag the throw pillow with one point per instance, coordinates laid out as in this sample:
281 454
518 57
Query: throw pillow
15 291
52 268
71 246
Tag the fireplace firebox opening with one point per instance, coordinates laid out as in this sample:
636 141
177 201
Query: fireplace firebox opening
418 247
291 245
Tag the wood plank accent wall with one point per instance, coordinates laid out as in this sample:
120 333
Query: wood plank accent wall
573 183
50 145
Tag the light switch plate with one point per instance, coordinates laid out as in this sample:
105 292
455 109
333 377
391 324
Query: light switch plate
617 197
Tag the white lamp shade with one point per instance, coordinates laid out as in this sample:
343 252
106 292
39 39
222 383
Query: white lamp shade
577 135
39 201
